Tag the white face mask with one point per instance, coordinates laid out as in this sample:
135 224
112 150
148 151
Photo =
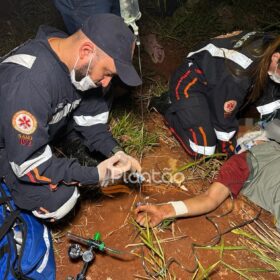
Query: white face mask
86 82
274 76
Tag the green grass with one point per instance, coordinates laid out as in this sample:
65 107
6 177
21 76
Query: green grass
259 252
267 258
132 135
197 162
256 239
157 87
204 273
154 263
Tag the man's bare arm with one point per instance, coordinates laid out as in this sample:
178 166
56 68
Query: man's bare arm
198 205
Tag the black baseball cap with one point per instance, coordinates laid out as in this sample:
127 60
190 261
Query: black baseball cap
112 35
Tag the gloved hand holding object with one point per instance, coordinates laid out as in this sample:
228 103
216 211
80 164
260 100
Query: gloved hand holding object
114 167
124 158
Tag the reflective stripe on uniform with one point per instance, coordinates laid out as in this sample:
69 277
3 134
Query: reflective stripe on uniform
48 246
25 60
204 150
64 112
269 108
92 120
62 210
224 136
27 166
237 57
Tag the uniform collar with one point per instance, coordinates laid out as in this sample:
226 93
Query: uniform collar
44 33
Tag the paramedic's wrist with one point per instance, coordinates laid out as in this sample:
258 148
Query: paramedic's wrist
115 150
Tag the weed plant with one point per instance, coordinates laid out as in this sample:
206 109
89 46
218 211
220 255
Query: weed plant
261 248
131 133
155 263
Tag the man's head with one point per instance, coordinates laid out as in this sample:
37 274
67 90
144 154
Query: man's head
105 48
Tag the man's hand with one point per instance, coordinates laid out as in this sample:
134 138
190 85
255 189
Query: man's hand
152 215
125 159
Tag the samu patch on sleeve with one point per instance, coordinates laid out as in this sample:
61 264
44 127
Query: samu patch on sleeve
24 122
229 107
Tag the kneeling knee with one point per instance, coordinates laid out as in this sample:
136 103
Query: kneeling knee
60 211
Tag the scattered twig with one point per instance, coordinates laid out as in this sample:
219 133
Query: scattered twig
166 240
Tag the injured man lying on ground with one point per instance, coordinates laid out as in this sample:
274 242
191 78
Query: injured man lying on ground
253 171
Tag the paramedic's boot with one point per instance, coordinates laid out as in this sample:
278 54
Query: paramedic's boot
160 103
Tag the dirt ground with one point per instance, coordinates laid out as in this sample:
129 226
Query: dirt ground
110 215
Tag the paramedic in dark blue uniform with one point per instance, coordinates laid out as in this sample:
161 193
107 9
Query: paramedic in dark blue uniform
43 88
211 86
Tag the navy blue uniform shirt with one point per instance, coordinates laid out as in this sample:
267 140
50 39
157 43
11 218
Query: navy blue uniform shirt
37 100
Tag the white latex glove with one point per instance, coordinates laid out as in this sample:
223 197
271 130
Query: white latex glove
114 167
125 158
